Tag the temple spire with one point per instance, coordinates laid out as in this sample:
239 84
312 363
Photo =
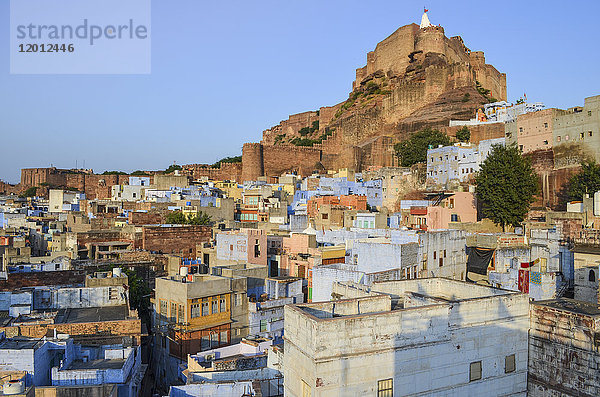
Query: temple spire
425 19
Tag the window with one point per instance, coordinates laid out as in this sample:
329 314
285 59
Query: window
238 299
543 264
163 308
306 392
180 314
223 305
589 112
325 216
592 276
205 343
224 338
475 371
215 306
214 339
434 254
385 388
195 310
263 325
520 129
566 137
173 312
444 253
558 138
521 147
590 133
582 135
509 364
205 309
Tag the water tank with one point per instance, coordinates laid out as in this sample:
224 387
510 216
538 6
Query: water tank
13 387
183 271
117 272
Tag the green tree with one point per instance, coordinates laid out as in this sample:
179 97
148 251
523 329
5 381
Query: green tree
587 181
463 135
139 292
235 159
114 173
172 168
179 218
140 173
200 218
506 186
414 149
30 192
176 218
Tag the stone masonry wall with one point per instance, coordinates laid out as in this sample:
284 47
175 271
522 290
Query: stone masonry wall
180 240
563 353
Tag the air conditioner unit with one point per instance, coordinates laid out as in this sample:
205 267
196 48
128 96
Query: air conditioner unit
209 357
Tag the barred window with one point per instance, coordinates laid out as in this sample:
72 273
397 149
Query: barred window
223 305
205 309
215 306
195 310
385 388
173 313
180 314
163 308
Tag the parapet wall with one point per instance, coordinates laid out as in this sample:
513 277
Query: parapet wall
227 171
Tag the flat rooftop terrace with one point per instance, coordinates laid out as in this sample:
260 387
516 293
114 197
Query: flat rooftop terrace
571 305
96 364
390 296
92 314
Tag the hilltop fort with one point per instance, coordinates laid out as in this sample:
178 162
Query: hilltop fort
415 78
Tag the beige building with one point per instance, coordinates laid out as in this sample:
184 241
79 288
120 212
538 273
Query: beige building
532 131
576 133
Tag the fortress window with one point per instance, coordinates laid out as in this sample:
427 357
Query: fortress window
582 135
509 364
520 129
475 371
545 125
589 112
566 137
558 138
545 142
589 133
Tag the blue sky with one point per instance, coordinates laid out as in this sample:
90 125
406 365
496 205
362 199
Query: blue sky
222 72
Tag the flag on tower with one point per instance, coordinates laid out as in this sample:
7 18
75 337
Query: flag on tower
425 9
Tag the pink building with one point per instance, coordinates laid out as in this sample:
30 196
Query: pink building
459 207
